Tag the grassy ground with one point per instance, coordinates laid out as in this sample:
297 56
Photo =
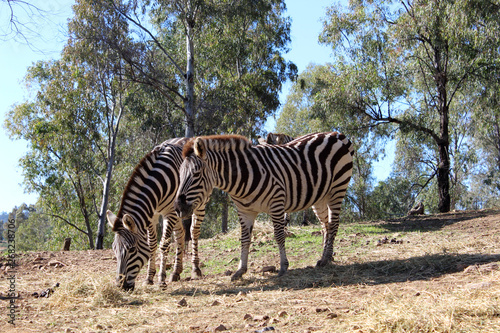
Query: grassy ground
436 273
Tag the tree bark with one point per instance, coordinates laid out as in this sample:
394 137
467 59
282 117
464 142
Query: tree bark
225 211
443 169
189 80
66 244
99 242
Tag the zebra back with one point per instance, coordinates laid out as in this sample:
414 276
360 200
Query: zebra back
302 170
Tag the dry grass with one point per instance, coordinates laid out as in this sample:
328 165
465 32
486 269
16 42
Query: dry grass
443 277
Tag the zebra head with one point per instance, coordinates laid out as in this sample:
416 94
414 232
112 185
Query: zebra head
127 247
196 181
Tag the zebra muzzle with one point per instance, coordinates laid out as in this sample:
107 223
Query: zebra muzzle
182 208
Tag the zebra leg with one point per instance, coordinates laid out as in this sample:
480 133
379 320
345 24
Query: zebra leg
279 234
179 252
322 212
246 225
195 235
153 246
166 240
334 207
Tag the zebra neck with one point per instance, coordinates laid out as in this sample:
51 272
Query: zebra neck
232 172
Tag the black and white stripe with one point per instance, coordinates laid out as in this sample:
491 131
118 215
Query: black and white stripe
312 170
149 193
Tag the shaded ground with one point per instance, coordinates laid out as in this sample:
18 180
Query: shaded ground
437 273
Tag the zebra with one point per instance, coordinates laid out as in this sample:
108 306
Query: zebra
312 170
149 193
275 139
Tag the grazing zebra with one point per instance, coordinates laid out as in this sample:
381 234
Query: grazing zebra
275 139
312 170
150 192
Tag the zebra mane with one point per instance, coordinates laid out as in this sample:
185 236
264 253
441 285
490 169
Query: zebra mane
149 157
218 143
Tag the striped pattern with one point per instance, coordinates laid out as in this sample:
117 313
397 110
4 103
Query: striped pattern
150 193
312 170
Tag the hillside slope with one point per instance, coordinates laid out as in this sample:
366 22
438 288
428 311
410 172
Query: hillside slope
434 273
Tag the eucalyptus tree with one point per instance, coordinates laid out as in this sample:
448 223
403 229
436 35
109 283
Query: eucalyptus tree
219 63
404 63
487 136
54 124
104 68
72 124
302 113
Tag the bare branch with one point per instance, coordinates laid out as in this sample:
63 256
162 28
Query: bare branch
66 221
156 41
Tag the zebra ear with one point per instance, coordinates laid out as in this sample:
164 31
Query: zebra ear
111 219
129 223
199 148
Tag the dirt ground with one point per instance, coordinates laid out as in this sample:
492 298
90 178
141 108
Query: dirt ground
432 273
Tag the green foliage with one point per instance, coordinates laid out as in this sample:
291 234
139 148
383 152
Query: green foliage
86 123
393 197
34 233
410 65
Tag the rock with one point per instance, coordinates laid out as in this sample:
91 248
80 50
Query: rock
260 318
265 329
248 317
215 303
282 314
47 293
331 315
182 303
219 328
318 310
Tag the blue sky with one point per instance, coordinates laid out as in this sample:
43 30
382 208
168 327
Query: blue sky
47 40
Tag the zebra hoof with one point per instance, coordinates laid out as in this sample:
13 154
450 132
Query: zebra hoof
238 275
196 274
282 272
148 282
322 263
174 277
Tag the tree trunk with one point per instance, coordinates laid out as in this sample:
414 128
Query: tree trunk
99 241
225 211
443 169
66 244
89 228
189 81
113 130
443 178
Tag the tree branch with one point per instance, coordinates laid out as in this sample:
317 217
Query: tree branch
138 24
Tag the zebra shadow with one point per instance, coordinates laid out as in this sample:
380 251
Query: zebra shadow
433 222
420 268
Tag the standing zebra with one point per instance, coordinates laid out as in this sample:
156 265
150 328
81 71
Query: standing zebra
150 192
312 170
